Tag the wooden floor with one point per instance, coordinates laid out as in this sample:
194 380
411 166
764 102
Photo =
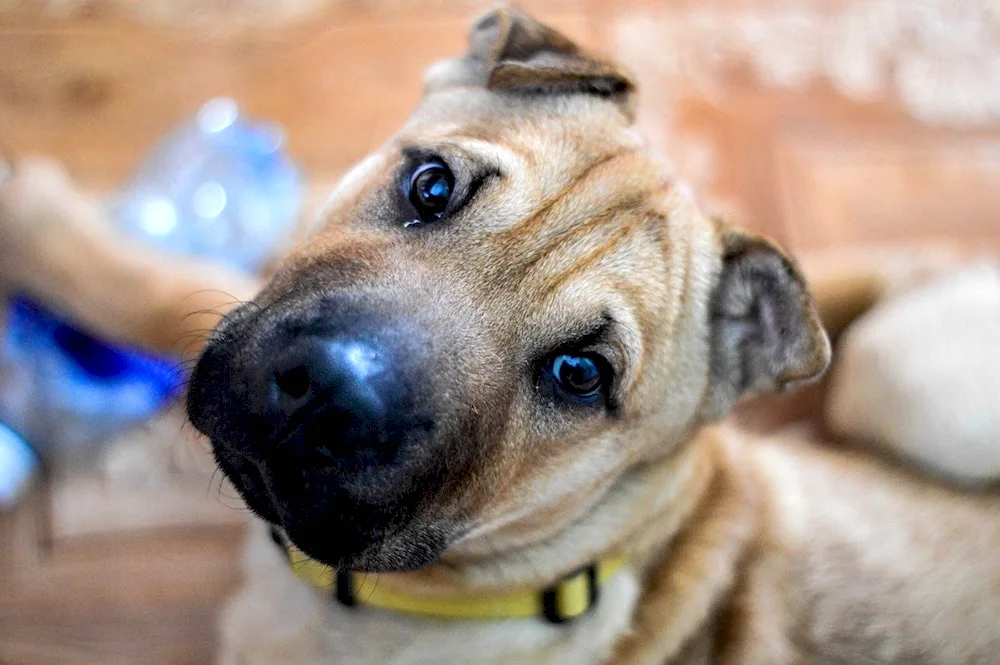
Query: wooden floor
784 116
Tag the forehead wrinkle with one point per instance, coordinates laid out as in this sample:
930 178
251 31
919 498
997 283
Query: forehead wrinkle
592 255
631 209
527 269
531 226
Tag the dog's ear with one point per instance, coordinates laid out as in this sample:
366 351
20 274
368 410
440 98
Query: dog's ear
766 334
518 54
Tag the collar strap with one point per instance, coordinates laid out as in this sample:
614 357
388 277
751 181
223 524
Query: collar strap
569 598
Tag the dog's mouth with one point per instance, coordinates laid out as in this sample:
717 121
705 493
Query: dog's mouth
369 515
249 477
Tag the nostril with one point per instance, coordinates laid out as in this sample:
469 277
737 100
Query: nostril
293 382
317 374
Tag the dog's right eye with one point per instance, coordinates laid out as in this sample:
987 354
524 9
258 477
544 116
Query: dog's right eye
429 190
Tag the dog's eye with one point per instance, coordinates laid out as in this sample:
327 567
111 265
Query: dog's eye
582 377
429 190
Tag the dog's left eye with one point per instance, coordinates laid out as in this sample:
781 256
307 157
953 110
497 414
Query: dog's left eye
429 190
581 377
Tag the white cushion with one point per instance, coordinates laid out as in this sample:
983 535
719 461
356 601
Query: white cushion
919 376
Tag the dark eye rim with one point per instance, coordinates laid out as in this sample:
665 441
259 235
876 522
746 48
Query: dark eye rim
416 162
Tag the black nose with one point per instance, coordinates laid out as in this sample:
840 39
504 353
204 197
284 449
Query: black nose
342 398
321 372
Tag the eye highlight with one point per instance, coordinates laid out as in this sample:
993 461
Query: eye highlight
429 190
580 377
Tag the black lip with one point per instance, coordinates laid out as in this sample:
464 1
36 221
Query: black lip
387 550
248 479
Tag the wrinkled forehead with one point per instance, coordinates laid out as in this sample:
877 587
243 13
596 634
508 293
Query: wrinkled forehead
554 162
553 139
576 202
549 142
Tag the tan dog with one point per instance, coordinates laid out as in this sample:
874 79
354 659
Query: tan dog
494 365
497 363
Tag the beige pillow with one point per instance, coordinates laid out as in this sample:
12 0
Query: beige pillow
919 376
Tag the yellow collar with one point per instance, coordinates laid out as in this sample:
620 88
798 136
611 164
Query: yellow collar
564 601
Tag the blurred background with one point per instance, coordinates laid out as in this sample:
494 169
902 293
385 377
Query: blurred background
820 123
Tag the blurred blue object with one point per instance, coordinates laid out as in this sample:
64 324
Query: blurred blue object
219 187
17 464
62 387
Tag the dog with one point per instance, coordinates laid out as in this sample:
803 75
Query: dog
479 411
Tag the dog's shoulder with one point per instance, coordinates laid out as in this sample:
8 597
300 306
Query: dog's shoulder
839 531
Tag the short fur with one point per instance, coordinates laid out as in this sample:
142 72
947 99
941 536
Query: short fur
741 550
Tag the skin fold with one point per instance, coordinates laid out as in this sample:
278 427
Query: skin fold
740 549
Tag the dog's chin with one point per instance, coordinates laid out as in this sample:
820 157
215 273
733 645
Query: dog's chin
400 552
356 540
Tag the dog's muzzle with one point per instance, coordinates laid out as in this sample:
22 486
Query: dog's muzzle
320 421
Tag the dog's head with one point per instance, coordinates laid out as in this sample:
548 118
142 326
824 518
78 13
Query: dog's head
505 309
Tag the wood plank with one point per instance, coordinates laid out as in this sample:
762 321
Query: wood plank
876 187
100 570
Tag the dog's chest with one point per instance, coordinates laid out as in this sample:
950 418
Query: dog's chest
277 618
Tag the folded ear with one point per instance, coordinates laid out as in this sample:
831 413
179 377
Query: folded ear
519 54
766 335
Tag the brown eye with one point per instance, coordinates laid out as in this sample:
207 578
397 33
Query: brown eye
430 189
579 376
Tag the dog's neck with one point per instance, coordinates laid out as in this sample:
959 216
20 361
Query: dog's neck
638 519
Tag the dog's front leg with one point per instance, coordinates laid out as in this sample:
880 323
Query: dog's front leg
59 246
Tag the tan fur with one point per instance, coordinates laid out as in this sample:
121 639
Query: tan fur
58 244
747 551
